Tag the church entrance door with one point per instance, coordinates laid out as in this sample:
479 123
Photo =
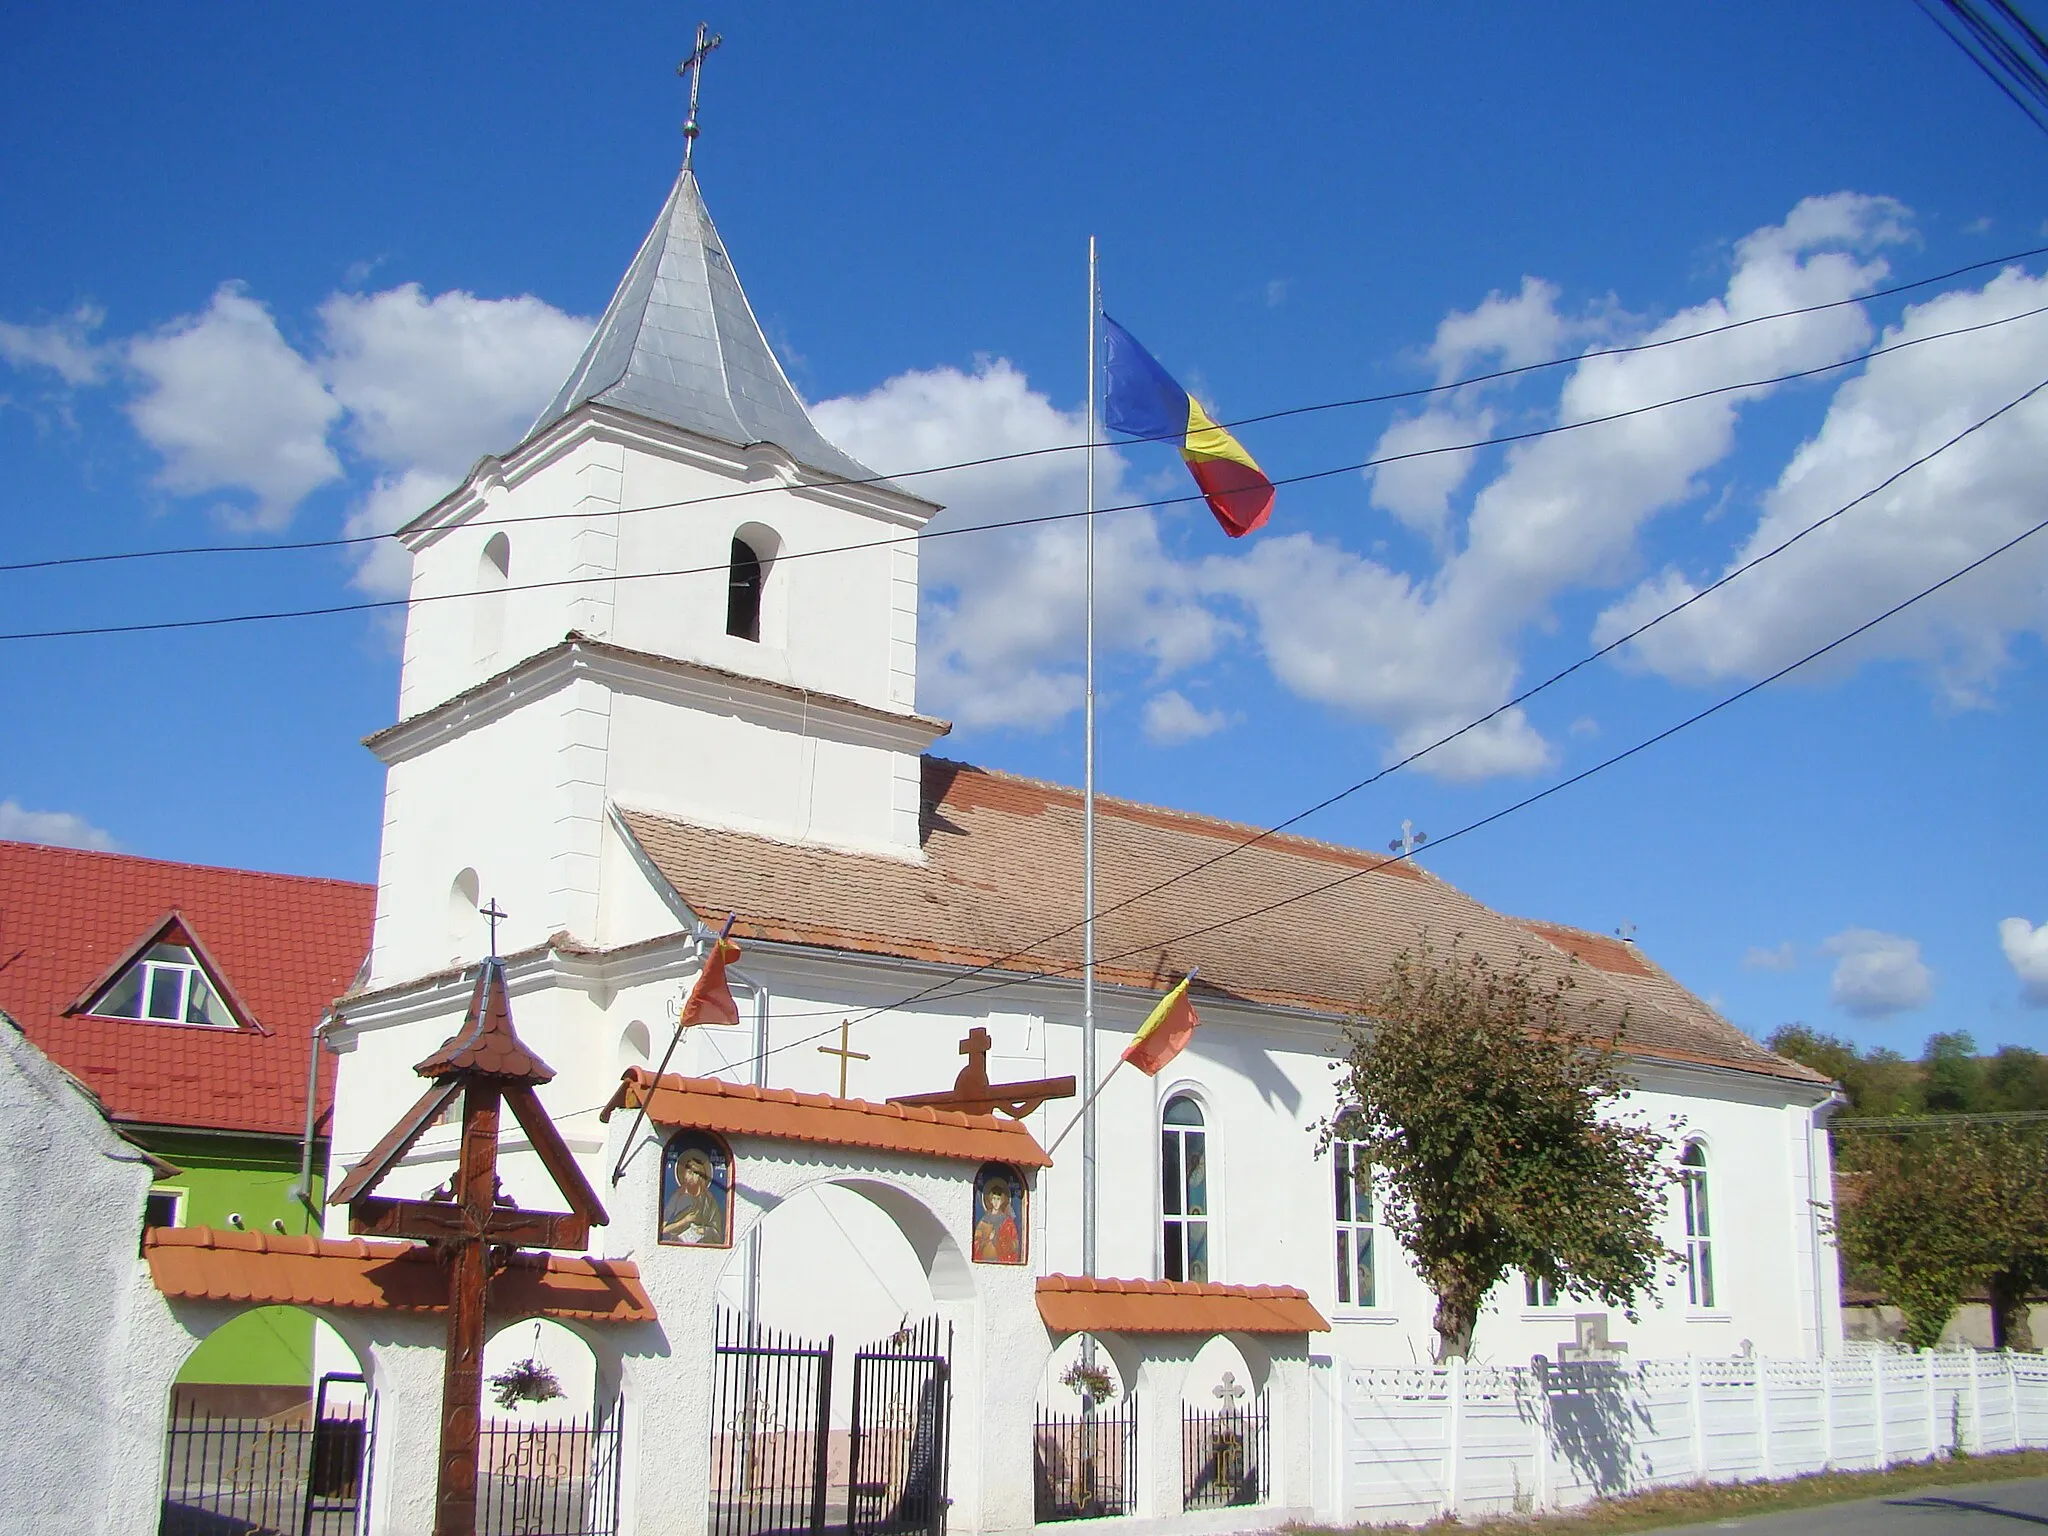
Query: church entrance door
900 1433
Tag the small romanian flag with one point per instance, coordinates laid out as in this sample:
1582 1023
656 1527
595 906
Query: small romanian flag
1165 1032
710 1000
1141 400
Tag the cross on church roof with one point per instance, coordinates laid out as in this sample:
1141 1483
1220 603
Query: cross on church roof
494 916
693 66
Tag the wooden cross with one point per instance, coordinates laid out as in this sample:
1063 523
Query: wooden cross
973 1094
470 1224
843 1053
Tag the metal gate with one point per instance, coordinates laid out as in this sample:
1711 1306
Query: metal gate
272 1477
771 1408
902 1413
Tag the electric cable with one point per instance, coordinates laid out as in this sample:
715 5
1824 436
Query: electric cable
826 483
160 626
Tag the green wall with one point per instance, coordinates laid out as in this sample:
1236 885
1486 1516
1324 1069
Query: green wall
252 1177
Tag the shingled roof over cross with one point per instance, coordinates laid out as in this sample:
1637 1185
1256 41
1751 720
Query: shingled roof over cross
1002 872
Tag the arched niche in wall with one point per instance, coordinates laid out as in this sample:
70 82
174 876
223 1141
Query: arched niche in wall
493 575
755 604
465 891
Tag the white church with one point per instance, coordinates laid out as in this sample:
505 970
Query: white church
660 668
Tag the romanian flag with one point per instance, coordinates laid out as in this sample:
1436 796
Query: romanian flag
1141 400
710 1000
1165 1032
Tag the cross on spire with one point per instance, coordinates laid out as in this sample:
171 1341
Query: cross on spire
693 66
493 915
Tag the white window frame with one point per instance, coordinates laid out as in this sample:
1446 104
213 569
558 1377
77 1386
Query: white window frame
1539 1295
179 1197
1346 1197
1207 1219
150 967
1696 1208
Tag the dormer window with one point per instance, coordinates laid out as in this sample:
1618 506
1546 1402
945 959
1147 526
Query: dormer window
165 985
743 591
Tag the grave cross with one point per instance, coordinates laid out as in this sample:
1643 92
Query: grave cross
973 1094
844 1052
1228 1390
473 1228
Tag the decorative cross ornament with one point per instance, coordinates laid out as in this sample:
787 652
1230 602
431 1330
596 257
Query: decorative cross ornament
1228 1391
1409 840
493 915
973 1094
469 1223
844 1053
1591 1343
693 66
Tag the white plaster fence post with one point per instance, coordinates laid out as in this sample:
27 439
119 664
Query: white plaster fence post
1827 1413
1927 1391
1162 1375
1763 1417
1877 1408
1696 1403
1540 1382
1454 1434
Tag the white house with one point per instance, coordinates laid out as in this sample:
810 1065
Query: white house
660 668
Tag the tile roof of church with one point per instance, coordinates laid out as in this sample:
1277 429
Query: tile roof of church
288 943
1002 872
679 344
1090 1304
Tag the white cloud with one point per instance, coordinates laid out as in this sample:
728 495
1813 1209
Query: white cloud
2026 951
1877 974
1171 718
1780 957
1418 490
62 828
64 346
231 407
436 383
1002 638
1937 519
1514 331
1276 292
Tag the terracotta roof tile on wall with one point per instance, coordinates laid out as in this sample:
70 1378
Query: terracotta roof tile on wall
288 944
1002 871
205 1264
1086 1304
740 1109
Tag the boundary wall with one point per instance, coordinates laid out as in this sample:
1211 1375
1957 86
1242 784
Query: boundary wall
1416 1443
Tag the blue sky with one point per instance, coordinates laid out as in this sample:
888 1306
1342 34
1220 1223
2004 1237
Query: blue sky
274 275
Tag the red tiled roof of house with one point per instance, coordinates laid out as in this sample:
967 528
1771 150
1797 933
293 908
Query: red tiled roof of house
288 944
206 1264
1089 1304
1002 872
741 1109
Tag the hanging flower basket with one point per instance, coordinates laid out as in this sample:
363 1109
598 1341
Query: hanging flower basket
1090 1380
527 1381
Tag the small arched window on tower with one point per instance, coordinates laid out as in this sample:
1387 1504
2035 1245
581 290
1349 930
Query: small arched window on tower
1699 1231
743 590
493 571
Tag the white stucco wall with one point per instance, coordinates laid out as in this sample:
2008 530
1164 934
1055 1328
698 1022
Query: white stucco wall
70 1218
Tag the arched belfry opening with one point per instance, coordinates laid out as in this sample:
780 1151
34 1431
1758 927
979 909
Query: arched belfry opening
749 571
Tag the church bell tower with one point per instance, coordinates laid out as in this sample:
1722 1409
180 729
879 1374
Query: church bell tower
672 595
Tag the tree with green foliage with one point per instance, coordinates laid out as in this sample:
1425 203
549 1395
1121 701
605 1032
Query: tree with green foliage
1949 1078
1486 1112
1929 1213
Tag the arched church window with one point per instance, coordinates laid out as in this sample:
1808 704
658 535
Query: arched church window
493 571
1357 1284
1184 1188
743 591
1699 1232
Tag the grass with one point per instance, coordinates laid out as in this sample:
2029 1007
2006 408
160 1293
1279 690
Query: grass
1723 1501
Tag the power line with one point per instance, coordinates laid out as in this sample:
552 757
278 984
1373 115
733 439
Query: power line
937 993
2000 46
371 605
1393 397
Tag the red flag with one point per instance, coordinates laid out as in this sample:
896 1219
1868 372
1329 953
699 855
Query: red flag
710 1000
1165 1032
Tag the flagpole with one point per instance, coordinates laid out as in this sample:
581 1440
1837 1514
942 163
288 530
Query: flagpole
1088 1145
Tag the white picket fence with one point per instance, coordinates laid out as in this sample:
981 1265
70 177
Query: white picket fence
1474 1440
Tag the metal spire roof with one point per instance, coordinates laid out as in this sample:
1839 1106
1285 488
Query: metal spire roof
679 344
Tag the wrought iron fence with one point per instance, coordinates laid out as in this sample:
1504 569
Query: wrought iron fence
549 1478
287 1475
902 1408
770 1430
1223 1455
1086 1461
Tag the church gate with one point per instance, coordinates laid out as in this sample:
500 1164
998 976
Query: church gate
901 1433
305 1477
771 1421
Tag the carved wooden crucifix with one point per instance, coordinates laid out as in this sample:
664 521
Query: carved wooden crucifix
973 1094
472 1226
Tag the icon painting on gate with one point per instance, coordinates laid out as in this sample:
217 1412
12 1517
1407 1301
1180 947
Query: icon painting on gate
998 1215
696 1191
